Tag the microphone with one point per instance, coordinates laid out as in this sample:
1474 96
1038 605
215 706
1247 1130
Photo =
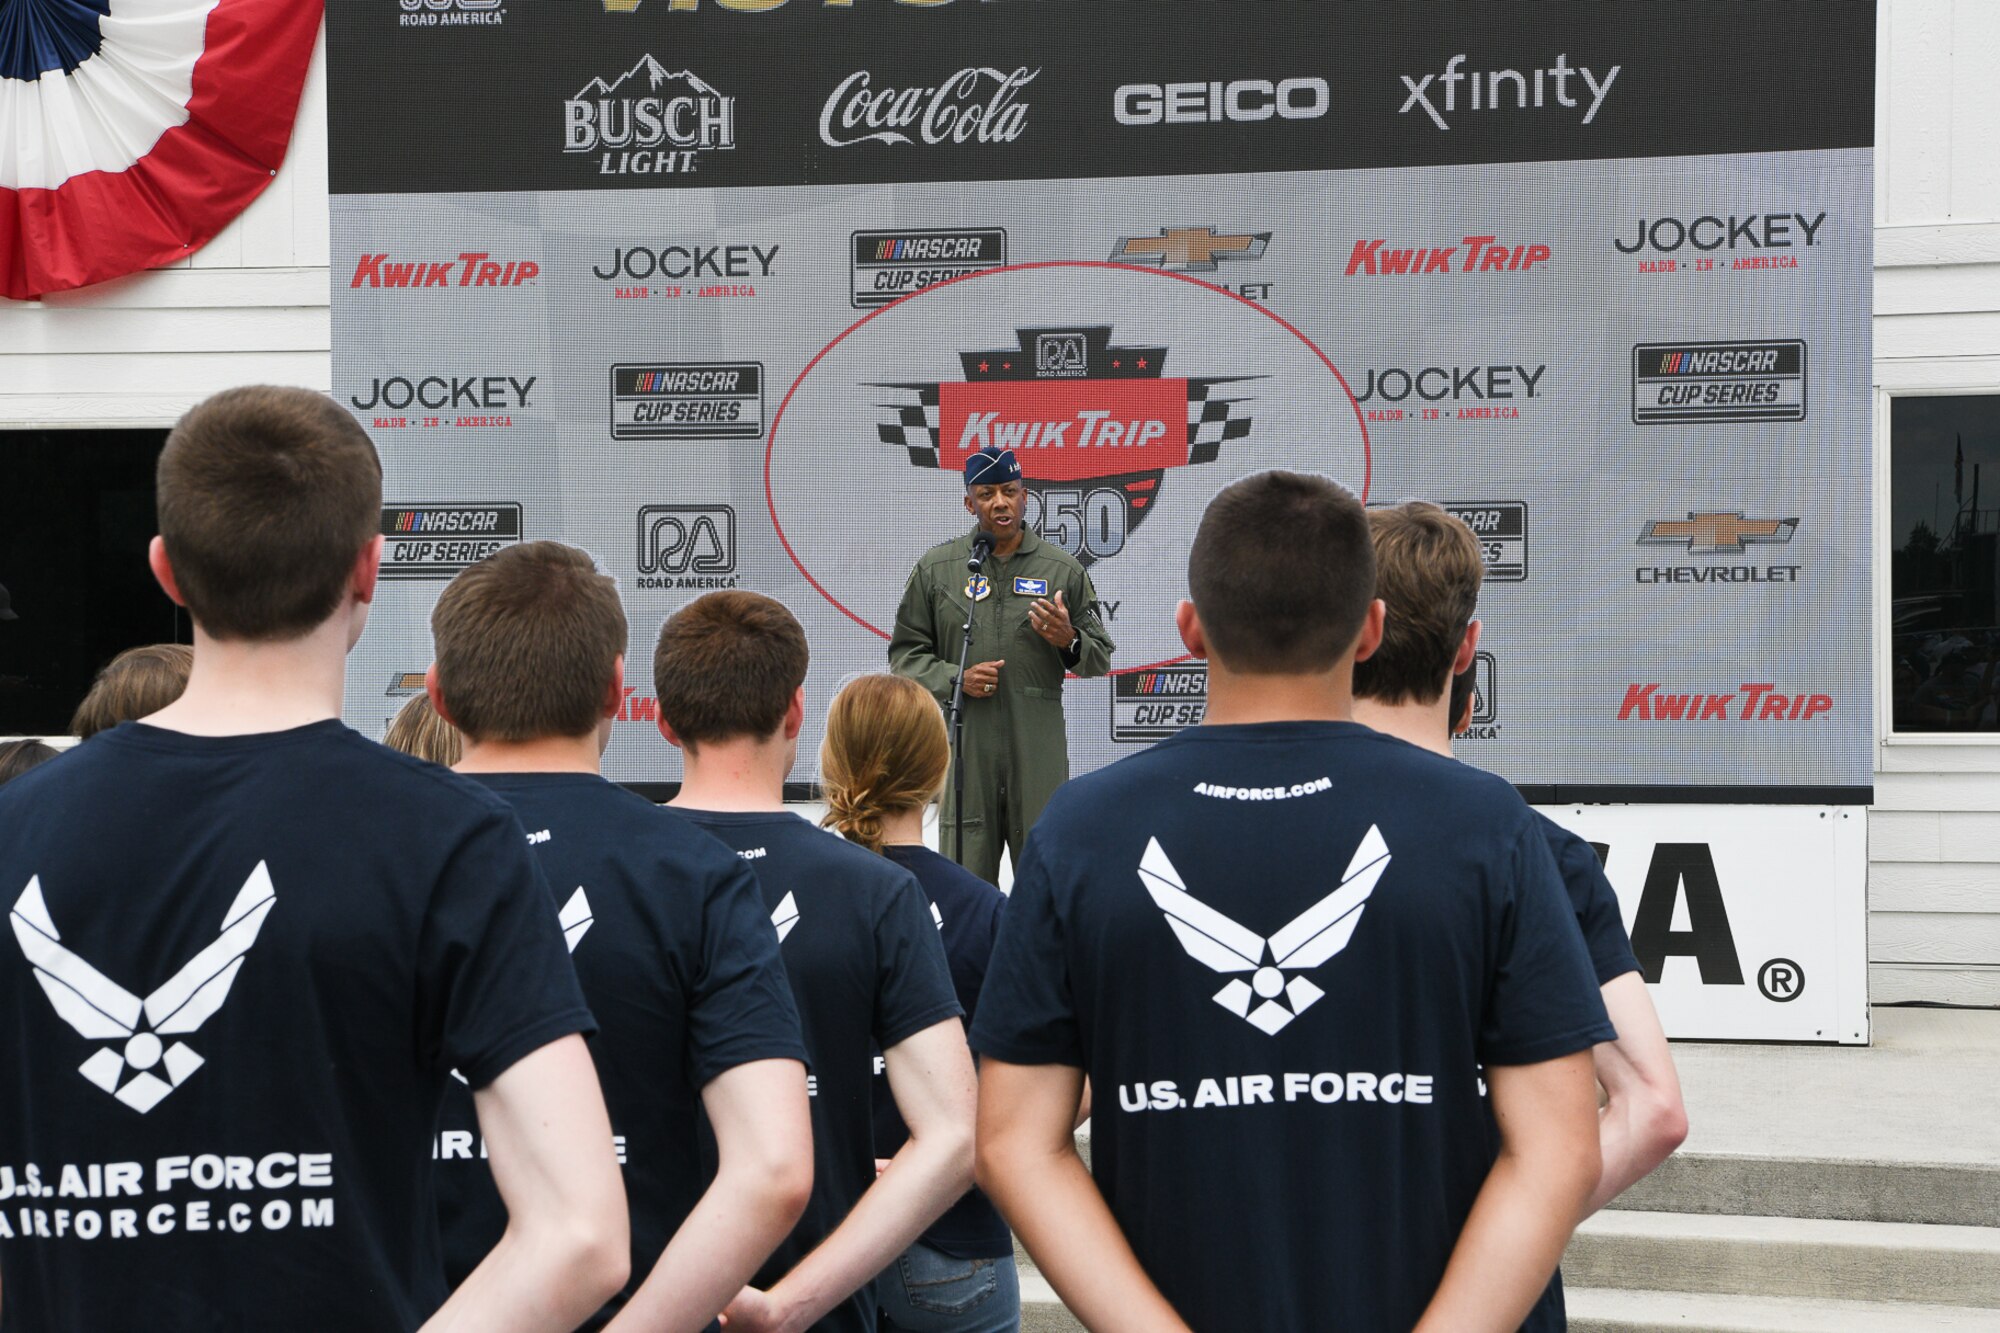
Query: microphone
982 547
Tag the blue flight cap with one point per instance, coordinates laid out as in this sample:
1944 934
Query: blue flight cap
991 466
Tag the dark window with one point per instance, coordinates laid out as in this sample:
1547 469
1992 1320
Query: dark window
76 513
1944 507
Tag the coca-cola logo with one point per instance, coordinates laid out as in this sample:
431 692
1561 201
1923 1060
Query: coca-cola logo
974 104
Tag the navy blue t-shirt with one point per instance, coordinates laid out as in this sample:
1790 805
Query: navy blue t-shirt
678 960
241 969
1281 953
967 911
867 970
1595 902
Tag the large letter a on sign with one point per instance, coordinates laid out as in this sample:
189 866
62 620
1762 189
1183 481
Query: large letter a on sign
1708 939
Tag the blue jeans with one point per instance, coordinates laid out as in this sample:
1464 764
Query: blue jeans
928 1291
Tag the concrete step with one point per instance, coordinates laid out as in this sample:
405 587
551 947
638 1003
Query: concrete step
1965 1194
1041 1311
1787 1257
1594 1311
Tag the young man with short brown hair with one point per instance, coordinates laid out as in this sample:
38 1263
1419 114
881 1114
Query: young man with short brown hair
862 953
250 946
669 935
1280 971
1428 572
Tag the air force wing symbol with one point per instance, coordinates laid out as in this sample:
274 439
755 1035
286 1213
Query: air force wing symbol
1315 935
101 1010
784 916
575 918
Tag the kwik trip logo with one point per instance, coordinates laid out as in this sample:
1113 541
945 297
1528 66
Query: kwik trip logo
1719 381
886 266
1098 427
1758 703
1443 95
436 541
649 121
472 268
1472 254
980 104
1717 533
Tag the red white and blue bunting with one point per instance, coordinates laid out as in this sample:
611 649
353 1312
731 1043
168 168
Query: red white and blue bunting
132 131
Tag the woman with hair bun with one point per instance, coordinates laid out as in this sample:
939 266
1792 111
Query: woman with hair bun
882 765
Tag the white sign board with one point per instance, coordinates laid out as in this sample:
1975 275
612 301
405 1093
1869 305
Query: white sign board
1749 922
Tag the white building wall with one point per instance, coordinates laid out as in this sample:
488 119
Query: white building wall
252 306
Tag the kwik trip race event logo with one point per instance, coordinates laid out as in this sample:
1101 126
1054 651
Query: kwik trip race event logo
725 292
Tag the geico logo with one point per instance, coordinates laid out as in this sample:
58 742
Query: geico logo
1093 430
976 103
1241 100
1759 231
1483 254
490 391
684 411
683 261
377 270
1433 383
1761 703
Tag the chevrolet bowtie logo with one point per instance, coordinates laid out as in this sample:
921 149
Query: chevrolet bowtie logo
1717 534
1189 249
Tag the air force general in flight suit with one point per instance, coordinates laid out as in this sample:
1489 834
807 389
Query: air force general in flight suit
1016 750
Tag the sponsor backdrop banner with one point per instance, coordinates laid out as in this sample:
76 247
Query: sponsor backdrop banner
725 290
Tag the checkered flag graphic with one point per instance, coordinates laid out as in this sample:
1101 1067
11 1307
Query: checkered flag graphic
1211 420
912 421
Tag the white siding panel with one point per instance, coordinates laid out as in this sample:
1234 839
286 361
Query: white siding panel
306 164
1970 837
187 289
1937 288
1918 54
195 374
1975 95
1982 757
1903 835
1933 937
1927 983
1936 335
88 333
1933 887
1937 791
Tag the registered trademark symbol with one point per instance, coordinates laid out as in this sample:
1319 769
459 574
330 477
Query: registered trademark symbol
1781 980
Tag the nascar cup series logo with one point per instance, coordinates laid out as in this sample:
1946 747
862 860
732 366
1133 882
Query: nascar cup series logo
1130 396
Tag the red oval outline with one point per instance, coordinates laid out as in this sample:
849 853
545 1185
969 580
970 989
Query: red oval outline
771 436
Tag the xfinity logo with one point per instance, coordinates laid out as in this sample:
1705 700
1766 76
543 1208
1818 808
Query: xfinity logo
101 1010
1754 231
1503 89
648 121
1310 939
1205 103
974 104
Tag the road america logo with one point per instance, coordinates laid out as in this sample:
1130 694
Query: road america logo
101 1010
1097 426
649 121
1271 999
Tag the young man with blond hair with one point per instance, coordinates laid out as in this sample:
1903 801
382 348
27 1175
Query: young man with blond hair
1428 573
250 945
862 953
1280 945
670 939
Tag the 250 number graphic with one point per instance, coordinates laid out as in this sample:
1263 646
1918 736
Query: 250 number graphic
1090 524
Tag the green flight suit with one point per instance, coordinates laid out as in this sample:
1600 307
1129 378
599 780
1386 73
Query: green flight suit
1016 751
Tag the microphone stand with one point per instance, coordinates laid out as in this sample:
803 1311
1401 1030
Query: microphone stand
977 566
